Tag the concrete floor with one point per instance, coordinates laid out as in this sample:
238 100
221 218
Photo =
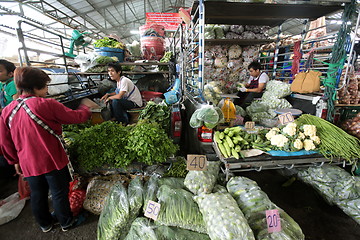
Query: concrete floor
318 220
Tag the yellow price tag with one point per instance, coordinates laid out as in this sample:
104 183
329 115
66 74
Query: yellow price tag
196 162
286 118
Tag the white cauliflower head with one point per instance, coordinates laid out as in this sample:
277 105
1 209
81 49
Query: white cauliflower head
270 134
279 140
298 144
301 136
315 139
290 129
309 130
309 145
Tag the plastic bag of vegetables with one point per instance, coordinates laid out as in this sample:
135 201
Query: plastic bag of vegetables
115 215
178 209
172 182
150 189
203 181
174 233
254 202
351 208
223 218
135 195
277 89
195 122
142 228
219 32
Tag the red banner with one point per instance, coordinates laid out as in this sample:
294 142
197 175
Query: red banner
170 21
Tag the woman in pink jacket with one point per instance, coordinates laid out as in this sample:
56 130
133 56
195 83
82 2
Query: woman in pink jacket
30 134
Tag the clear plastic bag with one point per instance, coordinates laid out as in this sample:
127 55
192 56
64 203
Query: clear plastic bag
150 189
135 195
254 202
203 181
178 209
11 207
172 182
115 216
141 228
223 218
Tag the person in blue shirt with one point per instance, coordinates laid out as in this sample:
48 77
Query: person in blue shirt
7 86
8 93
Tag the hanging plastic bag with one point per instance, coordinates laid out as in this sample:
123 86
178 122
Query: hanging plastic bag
11 207
76 197
23 187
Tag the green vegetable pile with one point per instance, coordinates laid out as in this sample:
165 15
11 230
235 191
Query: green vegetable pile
156 113
232 140
335 142
108 42
177 169
111 144
166 58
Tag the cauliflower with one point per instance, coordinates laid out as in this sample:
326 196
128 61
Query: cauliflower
290 129
309 145
301 136
272 133
309 130
279 140
315 139
298 144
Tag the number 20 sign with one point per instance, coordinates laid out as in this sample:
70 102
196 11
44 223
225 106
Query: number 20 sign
286 118
273 221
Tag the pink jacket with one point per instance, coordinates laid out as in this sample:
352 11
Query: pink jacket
36 150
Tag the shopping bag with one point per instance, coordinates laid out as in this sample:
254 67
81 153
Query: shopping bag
11 207
23 187
76 197
306 82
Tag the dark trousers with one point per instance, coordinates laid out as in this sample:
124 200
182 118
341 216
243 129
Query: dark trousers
58 182
118 109
245 98
6 170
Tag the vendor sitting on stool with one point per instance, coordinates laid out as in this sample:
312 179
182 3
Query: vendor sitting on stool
254 87
125 97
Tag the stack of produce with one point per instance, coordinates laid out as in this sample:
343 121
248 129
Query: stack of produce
156 113
232 140
272 99
208 116
113 145
337 186
335 142
177 168
253 202
350 93
352 126
292 137
223 218
109 42
203 181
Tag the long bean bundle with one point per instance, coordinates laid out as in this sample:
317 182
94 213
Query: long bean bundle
335 142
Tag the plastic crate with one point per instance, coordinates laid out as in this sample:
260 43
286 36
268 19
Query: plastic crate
111 52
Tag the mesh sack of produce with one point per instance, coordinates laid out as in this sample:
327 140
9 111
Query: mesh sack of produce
351 208
257 106
208 61
135 195
276 103
257 29
234 51
220 62
150 189
172 182
223 218
239 29
250 53
253 202
209 32
248 35
277 89
232 35
221 74
178 209
115 217
219 32
96 192
219 51
219 189
203 181
235 65
261 36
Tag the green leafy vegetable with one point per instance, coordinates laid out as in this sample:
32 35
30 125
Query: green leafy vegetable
177 169
108 42
157 113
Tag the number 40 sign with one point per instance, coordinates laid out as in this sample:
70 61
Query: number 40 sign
196 162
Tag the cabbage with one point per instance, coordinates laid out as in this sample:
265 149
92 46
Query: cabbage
253 202
203 181
219 32
223 218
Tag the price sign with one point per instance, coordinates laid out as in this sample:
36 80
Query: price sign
273 221
286 118
250 125
152 210
196 162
